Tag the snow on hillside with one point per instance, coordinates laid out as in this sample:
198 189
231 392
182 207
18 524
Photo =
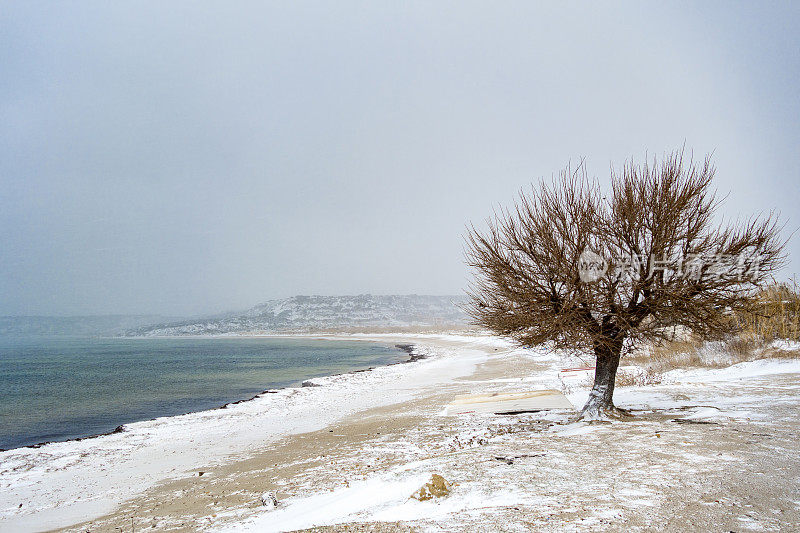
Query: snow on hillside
322 312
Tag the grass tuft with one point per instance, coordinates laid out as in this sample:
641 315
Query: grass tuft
774 314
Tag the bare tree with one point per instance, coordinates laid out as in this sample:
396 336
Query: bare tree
577 269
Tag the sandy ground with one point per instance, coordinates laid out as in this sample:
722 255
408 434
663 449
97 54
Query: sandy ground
65 483
706 450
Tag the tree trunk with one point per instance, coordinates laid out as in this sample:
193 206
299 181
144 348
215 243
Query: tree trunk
600 404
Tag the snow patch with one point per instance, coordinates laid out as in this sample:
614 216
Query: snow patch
360 500
748 369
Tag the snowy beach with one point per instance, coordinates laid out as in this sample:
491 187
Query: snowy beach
68 482
348 453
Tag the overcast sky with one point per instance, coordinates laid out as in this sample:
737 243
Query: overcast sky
189 157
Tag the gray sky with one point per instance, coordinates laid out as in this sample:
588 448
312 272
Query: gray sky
185 157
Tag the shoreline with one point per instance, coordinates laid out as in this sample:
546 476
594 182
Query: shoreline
347 456
408 349
210 435
679 460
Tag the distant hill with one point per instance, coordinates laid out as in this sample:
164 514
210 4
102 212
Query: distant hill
106 325
316 313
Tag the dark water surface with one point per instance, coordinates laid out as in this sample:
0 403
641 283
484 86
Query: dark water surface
63 388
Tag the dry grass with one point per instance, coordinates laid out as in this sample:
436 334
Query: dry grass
654 361
774 316
679 354
645 376
648 365
775 313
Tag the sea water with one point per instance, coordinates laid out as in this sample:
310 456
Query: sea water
54 389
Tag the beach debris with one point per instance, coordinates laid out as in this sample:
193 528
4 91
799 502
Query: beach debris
411 350
509 402
470 440
437 487
509 460
200 473
269 500
692 421
309 383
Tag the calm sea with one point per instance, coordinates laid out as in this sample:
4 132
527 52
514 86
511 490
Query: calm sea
62 388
